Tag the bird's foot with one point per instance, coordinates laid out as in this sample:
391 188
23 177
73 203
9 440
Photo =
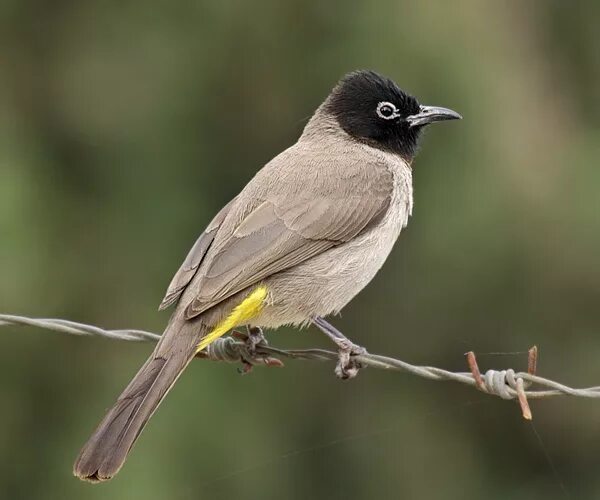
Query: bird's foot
255 338
347 366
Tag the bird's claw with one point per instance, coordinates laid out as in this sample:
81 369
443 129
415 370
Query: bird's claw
255 337
347 366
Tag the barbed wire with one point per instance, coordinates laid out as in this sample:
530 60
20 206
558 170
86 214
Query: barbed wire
506 384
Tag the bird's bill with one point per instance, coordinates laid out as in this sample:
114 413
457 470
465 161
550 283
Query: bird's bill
430 114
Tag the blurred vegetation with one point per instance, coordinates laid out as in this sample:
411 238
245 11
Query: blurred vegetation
125 125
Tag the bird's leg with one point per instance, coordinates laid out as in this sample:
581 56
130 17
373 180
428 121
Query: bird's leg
347 366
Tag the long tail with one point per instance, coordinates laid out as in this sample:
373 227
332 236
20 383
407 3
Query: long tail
107 449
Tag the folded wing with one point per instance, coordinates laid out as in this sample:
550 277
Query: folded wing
283 230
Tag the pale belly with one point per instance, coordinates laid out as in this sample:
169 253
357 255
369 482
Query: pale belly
325 284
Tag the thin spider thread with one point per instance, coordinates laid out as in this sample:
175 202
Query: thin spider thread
501 383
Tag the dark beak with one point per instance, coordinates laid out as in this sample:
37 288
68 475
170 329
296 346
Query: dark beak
430 114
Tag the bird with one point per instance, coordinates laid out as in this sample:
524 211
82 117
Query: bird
306 234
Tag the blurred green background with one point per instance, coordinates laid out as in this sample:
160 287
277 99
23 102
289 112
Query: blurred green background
124 126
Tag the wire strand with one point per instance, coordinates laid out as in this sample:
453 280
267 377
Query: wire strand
506 384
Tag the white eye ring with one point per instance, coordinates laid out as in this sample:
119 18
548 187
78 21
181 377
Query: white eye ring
391 107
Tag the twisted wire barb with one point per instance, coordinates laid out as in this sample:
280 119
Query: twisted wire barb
506 384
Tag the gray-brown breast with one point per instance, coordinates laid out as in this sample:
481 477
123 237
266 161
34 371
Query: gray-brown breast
327 282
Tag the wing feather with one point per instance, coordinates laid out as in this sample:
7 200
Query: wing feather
193 259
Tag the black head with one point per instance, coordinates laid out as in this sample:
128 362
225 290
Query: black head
373 109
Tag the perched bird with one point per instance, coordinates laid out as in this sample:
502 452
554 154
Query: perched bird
304 236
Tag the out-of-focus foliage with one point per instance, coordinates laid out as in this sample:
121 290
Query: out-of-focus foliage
125 125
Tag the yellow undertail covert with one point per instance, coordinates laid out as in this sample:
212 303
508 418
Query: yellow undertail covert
249 308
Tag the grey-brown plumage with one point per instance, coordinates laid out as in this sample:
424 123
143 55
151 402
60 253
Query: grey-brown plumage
313 226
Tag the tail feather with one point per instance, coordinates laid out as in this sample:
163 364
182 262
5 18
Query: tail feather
106 450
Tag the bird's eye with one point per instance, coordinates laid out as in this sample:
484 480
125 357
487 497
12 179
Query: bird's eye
387 111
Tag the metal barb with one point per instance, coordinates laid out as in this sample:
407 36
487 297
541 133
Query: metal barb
499 383
532 360
472 362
